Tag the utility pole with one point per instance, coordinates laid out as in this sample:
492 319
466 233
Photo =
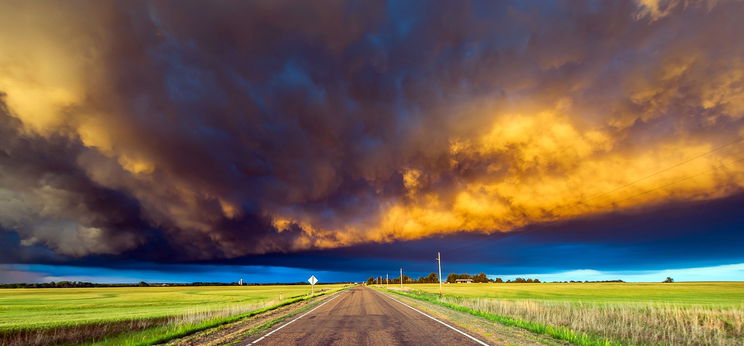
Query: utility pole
387 280
401 277
439 261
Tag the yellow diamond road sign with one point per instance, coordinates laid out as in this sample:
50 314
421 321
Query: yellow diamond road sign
312 280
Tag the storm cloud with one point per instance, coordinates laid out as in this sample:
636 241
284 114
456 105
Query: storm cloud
235 128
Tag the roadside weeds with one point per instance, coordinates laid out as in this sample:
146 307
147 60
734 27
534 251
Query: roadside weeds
506 331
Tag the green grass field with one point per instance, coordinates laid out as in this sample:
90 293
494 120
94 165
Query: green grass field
687 313
44 307
690 293
80 313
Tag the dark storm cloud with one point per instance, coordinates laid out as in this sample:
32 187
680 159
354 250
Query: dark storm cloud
174 133
704 234
49 200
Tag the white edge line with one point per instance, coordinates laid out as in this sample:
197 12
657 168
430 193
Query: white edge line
445 324
288 323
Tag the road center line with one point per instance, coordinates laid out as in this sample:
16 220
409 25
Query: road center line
288 323
433 318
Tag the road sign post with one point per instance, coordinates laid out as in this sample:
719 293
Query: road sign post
312 280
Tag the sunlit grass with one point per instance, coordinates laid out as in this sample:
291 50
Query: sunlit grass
692 293
679 313
31 316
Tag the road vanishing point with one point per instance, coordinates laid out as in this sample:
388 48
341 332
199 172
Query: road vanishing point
363 316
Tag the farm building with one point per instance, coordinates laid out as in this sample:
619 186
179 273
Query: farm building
464 281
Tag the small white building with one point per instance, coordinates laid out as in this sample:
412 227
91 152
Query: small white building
464 281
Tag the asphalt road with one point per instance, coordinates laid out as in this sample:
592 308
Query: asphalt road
362 316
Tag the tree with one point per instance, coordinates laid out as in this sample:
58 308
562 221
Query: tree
452 278
370 281
498 280
396 280
668 280
481 277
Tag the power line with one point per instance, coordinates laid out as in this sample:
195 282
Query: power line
672 183
664 169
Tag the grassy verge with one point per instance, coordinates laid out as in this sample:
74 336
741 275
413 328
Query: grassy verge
165 333
558 332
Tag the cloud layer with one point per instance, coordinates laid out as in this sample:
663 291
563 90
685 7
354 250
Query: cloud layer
271 126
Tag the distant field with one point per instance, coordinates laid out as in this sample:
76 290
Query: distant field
124 308
689 313
696 293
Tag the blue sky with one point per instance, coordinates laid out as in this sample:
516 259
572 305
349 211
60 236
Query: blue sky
268 274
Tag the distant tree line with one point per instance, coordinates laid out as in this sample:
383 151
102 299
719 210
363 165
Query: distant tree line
396 280
59 284
482 278
584 282
522 280
82 284
451 278
429 279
